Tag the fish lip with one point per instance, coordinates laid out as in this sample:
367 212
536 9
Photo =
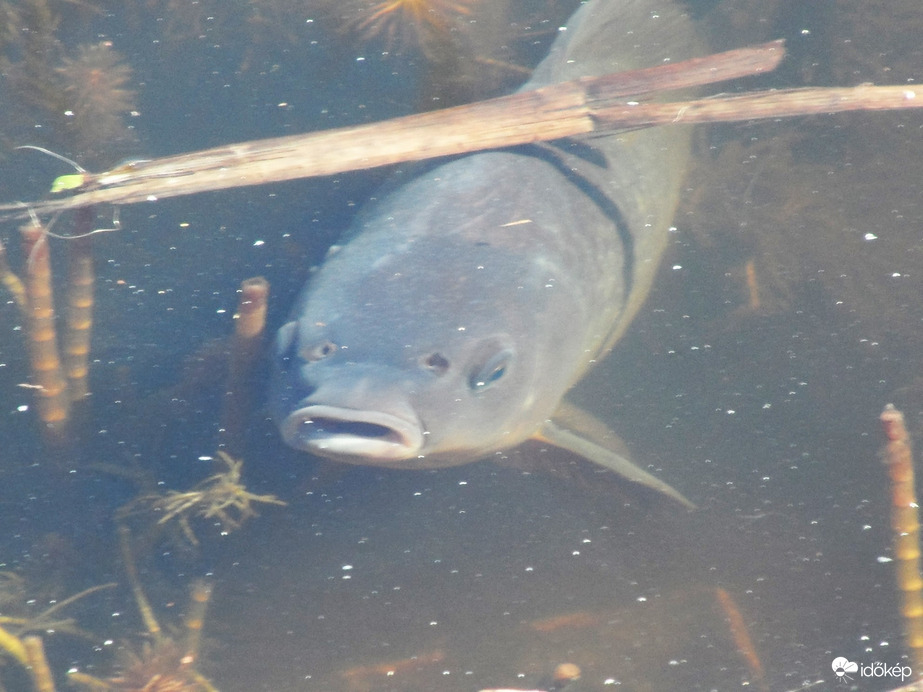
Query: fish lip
374 434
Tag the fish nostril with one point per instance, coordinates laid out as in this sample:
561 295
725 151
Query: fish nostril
319 351
436 362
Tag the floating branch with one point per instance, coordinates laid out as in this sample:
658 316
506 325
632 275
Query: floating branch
569 109
560 110
905 523
757 105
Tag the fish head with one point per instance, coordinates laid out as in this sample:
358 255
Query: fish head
430 354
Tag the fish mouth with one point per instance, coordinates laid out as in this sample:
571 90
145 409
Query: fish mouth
332 431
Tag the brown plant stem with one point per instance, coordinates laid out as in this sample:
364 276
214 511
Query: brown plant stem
246 344
38 664
78 322
51 388
13 284
741 636
905 523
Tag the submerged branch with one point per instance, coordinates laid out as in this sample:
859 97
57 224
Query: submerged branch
568 109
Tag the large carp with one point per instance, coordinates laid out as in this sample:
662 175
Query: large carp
463 306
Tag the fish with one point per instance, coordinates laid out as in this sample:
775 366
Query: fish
461 307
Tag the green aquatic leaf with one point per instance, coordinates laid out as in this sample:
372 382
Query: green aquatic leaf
72 181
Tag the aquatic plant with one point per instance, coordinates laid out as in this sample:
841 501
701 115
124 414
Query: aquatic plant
424 23
157 666
19 624
221 496
162 663
96 95
16 639
71 98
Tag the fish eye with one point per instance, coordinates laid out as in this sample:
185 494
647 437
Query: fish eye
491 371
436 362
318 351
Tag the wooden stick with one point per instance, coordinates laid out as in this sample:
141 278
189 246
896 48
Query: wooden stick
905 523
758 105
559 110
570 109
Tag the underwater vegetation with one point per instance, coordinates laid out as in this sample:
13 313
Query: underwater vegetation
20 632
96 95
155 661
817 214
159 666
221 497
426 23
73 98
68 84
16 622
158 662
470 49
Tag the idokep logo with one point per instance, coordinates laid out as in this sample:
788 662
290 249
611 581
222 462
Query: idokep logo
842 667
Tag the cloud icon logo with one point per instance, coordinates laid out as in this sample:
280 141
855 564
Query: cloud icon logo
841 666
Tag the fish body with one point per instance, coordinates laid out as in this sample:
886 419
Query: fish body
462 306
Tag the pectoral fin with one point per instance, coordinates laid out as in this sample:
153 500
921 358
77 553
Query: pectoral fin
553 434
